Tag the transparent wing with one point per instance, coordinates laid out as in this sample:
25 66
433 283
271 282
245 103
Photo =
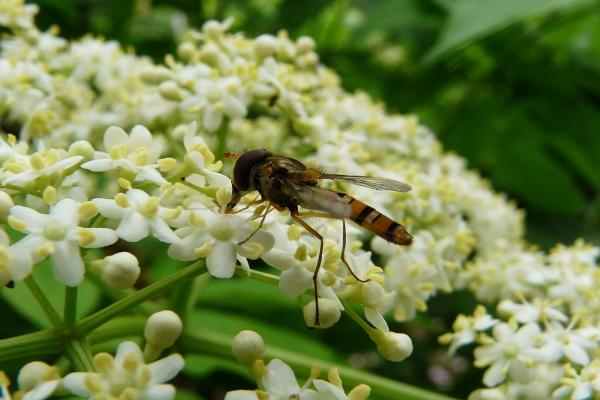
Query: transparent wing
370 182
317 198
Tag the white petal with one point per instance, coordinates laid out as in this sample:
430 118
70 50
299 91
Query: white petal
329 389
162 232
197 159
126 348
279 378
217 180
66 212
159 392
31 243
150 175
109 208
137 196
42 391
20 263
241 395
75 383
113 136
221 260
212 119
133 227
105 164
234 108
140 137
67 263
295 281
63 164
495 374
166 368
576 354
32 218
103 237
376 319
582 391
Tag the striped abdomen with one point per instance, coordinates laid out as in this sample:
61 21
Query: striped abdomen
374 221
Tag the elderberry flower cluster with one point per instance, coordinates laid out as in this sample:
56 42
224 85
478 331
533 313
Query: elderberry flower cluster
100 145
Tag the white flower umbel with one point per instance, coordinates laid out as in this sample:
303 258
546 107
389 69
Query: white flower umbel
15 262
140 215
134 155
466 328
216 236
59 235
126 376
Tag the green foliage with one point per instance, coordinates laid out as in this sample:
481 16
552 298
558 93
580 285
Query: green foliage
513 86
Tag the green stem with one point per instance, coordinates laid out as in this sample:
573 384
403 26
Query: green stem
35 344
215 343
44 303
185 297
70 307
90 323
79 354
259 276
21 190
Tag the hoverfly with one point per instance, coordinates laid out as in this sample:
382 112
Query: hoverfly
286 183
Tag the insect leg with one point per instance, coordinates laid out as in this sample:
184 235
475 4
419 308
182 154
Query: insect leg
296 216
343 256
262 221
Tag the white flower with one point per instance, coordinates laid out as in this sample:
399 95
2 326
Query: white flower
44 164
126 375
202 159
140 215
59 235
38 380
279 382
136 154
537 311
15 262
216 236
216 98
510 351
466 328
580 385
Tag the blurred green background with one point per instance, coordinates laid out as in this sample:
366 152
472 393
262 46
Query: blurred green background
513 86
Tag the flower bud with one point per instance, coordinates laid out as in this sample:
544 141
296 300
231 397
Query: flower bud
120 271
36 372
329 313
305 44
163 329
393 346
248 346
265 45
82 148
170 91
155 74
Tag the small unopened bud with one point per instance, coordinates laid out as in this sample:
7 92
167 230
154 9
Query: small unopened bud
120 271
49 195
393 346
163 329
248 346
360 392
36 372
170 91
155 74
265 45
186 51
82 148
329 313
305 44
6 202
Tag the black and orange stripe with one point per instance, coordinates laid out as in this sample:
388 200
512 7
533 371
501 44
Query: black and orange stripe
374 221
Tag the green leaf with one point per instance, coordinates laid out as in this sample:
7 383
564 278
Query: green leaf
525 168
200 366
231 323
25 304
470 20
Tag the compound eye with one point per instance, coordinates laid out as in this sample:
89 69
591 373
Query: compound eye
243 167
